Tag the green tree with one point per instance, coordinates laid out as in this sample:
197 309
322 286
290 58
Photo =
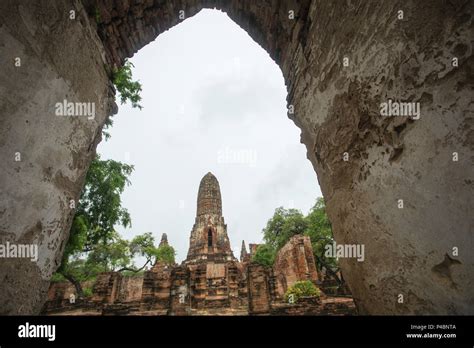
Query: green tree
128 88
264 255
98 211
100 206
166 253
111 255
320 232
116 255
284 224
143 245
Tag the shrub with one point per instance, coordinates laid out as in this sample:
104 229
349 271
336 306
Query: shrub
299 289
87 292
56 278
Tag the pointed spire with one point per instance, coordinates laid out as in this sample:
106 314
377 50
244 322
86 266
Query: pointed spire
243 252
164 239
209 200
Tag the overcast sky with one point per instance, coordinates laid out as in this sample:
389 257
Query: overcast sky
213 101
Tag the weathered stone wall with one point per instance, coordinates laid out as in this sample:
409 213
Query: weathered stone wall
63 290
180 296
107 287
338 110
294 262
156 288
335 106
316 306
260 289
59 59
130 289
59 296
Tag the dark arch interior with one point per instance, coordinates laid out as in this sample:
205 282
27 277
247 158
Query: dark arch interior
209 238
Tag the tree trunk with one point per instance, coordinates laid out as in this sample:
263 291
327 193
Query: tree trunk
76 283
133 269
329 271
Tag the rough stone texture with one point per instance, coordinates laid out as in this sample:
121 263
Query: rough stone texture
180 294
107 287
336 108
316 306
130 289
58 58
395 158
294 262
260 288
59 296
156 288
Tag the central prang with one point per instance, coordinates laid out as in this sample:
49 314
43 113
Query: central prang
209 240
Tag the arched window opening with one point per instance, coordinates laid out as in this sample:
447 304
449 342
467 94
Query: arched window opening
209 238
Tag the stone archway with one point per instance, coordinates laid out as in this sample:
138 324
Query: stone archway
340 61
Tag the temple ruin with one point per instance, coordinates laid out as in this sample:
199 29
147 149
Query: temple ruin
398 185
210 281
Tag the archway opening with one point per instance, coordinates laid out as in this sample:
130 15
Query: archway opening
337 76
213 100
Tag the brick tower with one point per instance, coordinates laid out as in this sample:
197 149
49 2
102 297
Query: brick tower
209 240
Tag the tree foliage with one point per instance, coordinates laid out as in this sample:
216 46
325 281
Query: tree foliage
285 223
166 254
144 245
111 255
264 255
100 207
320 232
115 255
92 231
128 88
